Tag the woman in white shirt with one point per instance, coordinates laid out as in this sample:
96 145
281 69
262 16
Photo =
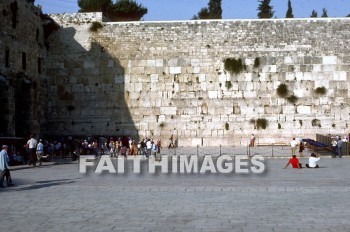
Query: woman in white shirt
313 161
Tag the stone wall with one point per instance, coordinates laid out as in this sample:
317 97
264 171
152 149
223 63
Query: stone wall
22 79
162 78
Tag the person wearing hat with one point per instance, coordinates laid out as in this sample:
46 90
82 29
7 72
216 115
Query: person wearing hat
4 167
40 151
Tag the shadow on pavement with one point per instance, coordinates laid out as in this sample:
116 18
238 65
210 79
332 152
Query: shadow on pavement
41 184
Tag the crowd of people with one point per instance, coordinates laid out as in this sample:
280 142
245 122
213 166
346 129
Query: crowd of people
337 150
35 150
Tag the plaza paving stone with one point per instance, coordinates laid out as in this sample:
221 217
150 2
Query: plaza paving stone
58 198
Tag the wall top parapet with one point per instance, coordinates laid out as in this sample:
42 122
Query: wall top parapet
99 17
79 17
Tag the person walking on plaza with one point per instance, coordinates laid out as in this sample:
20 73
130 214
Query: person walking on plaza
293 145
40 151
294 162
313 161
32 143
4 167
252 141
340 148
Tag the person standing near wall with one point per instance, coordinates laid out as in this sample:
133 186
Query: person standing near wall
40 151
301 148
252 141
340 148
293 145
334 148
4 167
32 143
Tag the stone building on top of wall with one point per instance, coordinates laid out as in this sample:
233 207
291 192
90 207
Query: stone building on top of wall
23 82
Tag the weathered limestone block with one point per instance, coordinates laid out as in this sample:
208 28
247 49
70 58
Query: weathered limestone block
329 60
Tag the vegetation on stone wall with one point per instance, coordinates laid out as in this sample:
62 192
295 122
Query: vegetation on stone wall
95 26
279 126
292 99
261 123
315 122
234 66
257 62
321 90
162 125
282 90
227 126
228 85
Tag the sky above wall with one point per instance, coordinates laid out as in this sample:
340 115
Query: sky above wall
232 9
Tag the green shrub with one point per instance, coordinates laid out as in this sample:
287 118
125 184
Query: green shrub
234 66
228 85
162 125
96 26
282 90
321 90
292 99
257 62
261 123
316 122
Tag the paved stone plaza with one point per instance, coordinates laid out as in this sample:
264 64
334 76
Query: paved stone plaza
58 198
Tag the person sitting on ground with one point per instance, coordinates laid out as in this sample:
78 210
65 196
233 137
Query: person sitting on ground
294 162
313 161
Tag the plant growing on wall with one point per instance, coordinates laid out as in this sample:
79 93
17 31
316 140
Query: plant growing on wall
96 26
227 126
234 66
316 122
282 91
261 123
228 85
279 126
292 99
256 62
320 90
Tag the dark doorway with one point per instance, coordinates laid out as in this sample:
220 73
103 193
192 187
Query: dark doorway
23 106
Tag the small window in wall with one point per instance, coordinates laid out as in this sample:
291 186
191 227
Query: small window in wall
24 60
40 65
7 58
